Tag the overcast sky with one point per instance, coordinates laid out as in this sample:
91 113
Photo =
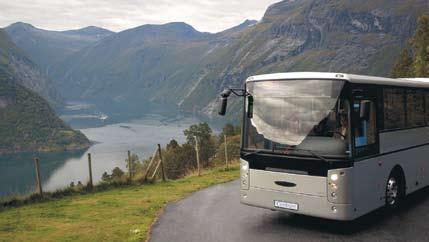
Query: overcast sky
117 15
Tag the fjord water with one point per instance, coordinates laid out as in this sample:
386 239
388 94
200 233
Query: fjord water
111 143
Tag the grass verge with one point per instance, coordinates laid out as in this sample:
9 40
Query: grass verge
120 214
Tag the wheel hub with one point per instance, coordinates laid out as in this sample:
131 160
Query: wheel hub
392 191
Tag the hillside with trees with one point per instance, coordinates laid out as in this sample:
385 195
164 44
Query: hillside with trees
414 59
27 121
180 159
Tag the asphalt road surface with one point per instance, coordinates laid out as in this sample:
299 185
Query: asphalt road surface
215 214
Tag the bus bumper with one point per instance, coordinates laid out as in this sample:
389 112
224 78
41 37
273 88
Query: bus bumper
316 206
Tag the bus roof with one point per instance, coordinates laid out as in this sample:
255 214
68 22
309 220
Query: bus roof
405 82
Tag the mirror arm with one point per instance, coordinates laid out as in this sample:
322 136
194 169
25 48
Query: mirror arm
239 92
226 93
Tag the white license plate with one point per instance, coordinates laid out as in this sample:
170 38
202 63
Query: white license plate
285 205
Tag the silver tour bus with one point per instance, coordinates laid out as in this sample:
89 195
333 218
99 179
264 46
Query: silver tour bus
332 145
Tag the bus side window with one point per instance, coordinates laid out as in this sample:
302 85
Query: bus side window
365 122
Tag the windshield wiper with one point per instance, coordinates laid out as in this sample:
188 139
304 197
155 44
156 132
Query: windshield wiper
312 153
254 152
294 149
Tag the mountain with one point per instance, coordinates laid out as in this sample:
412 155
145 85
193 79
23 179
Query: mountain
47 48
144 68
27 121
173 66
92 32
362 37
15 61
236 29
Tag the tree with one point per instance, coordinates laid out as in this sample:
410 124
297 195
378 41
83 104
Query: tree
402 67
416 64
237 129
106 177
420 44
229 130
202 131
206 143
179 160
117 173
135 164
172 145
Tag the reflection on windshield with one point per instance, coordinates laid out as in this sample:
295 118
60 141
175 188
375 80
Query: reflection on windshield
287 113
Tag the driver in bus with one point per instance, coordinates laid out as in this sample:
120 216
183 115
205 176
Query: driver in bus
341 132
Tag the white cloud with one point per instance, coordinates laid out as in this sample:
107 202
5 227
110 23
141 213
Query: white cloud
204 15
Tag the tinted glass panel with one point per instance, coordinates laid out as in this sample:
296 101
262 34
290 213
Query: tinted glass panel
394 108
415 108
365 129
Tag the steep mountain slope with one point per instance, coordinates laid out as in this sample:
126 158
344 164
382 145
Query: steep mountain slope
135 69
237 29
47 48
138 58
15 61
27 121
173 66
361 37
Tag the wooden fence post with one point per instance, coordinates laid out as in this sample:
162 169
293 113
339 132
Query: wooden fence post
198 155
90 170
150 164
38 180
162 163
129 165
226 151
153 177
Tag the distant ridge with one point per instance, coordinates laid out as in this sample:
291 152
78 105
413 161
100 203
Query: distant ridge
47 47
247 23
17 63
90 30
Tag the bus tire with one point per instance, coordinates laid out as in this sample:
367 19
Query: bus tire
395 189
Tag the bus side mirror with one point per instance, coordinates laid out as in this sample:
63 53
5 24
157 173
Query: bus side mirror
224 101
250 107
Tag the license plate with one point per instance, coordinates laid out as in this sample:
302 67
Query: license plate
285 205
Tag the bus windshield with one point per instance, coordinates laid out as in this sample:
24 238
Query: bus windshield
298 117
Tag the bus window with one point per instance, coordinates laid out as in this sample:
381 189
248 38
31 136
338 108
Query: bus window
415 108
394 108
365 125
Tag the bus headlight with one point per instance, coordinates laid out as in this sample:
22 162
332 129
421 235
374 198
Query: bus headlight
244 174
340 185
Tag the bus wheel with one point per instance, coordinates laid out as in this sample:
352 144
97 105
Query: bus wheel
395 190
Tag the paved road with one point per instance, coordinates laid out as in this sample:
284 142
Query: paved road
215 214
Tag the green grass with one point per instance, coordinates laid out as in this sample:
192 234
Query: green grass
120 214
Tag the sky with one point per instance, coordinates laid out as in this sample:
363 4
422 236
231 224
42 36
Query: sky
116 15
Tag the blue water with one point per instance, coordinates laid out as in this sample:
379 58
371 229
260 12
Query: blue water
17 175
